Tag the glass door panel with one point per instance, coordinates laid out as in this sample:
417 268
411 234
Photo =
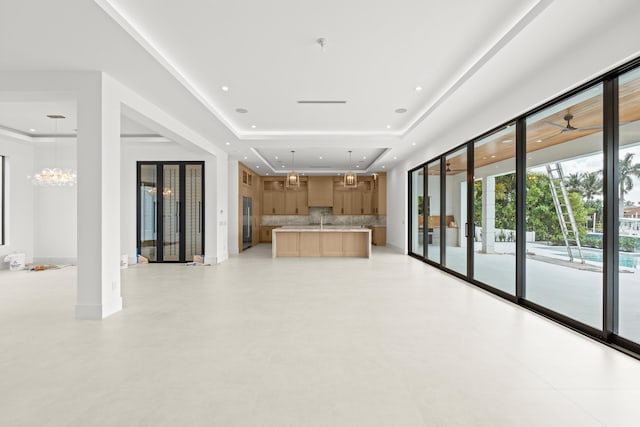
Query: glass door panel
433 211
193 211
148 211
417 212
494 210
629 206
456 211
171 213
564 189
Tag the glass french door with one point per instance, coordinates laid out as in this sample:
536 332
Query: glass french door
170 210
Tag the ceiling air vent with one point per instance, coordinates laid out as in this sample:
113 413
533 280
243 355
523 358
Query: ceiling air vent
322 102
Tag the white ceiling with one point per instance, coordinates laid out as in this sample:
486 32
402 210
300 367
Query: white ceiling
467 56
30 118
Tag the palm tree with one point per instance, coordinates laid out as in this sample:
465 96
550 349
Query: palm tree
627 170
591 185
574 182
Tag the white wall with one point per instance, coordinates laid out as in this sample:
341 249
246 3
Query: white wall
397 199
131 153
55 221
19 199
232 204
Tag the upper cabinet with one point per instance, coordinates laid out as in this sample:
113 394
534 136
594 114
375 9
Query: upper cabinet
370 198
320 191
279 200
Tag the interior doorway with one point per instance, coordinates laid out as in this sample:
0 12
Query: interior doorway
170 210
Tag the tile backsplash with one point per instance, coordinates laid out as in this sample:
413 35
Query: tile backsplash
327 218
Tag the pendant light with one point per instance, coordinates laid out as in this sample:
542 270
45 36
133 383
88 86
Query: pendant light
350 178
293 178
55 176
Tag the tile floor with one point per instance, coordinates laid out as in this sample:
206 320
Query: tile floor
256 341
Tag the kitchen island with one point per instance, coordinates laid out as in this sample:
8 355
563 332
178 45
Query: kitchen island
318 241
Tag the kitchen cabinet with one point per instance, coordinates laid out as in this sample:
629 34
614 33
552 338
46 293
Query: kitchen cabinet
378 235
296 200
266 233
320 191
342 202
380 195
273 203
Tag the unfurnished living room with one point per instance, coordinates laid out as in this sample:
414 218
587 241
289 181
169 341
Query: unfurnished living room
292 213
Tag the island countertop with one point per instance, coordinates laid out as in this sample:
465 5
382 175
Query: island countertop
325 241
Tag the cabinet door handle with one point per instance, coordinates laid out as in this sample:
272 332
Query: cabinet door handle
466 229
296 210
273 210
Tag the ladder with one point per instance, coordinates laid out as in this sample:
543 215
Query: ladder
564 211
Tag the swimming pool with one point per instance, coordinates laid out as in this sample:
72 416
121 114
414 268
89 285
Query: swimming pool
625 259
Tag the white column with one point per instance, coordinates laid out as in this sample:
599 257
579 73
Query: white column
488 214
98 201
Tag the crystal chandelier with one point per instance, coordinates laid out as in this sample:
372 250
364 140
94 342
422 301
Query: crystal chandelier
55 177
350 178
293 177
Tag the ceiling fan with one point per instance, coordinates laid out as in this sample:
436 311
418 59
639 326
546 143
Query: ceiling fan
569 127
453 170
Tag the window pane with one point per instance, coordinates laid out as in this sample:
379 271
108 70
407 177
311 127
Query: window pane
148 211
417 212
564 196
494 210
629 200
456 211
433 211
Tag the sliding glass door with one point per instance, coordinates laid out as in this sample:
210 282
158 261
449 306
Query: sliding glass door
494 209
455 211
170 216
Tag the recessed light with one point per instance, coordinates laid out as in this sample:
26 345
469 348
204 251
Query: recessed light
276 157
257 166
242 110
357 166
493 157
484 158
413 143
32 130
506 141
539 140
267 173
395 158
227 143
225 88
388 126
282 165
245 157
401 110
320 157
418 88
364 157
383 167
253 126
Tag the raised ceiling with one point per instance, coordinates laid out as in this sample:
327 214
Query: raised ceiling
470 59
266 53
